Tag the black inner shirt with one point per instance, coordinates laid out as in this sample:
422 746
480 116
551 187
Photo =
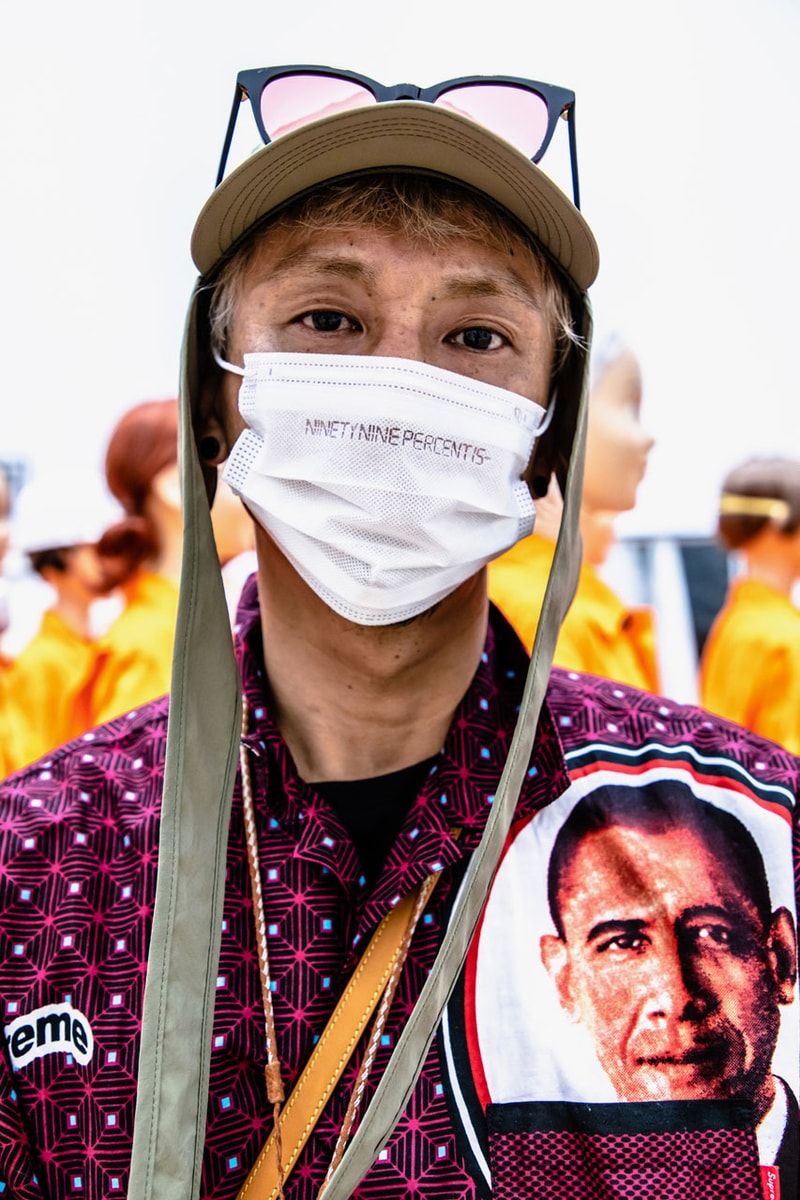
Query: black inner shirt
373 810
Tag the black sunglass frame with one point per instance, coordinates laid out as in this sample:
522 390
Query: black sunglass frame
560 102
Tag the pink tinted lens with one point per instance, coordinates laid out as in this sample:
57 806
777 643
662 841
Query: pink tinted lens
514 113
296 100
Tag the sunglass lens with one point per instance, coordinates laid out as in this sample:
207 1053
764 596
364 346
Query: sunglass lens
295 100
516 114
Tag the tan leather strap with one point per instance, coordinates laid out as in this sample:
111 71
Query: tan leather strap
332 1052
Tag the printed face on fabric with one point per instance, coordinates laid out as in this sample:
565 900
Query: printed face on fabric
652 987
666 957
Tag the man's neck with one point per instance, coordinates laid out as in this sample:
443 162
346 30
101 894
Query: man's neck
354 702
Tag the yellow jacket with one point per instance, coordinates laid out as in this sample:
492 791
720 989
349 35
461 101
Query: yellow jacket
6 724
137 648
750 670
599 636
47 693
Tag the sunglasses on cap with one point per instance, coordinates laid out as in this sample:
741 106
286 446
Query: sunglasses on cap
521 111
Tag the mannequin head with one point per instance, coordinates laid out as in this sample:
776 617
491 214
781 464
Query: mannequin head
617 444
77 574
760 518
142 472
59 524
758 495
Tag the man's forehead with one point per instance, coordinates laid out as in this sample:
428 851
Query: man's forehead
463 266
639 860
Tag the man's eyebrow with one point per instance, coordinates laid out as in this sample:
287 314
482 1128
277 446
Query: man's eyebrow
711 912
303 258
506 283
604 928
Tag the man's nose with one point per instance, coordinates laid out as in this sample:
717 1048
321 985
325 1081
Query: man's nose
401 338
676 991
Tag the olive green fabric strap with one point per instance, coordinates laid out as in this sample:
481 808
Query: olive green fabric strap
202 746
397 1082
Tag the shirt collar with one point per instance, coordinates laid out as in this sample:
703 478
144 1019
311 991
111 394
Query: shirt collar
446 820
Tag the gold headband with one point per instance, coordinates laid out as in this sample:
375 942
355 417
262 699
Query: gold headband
753 506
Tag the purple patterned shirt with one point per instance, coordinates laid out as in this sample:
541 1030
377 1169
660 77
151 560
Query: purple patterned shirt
78 860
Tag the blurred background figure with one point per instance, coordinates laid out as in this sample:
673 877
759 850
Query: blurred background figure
234 535
600 635
5 716
750 669
142 473
5 514
59 525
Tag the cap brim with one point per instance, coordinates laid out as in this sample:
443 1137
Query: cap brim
403 136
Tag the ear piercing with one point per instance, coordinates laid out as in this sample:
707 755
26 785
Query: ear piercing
209 448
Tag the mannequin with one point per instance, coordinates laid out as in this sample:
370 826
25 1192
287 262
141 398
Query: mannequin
750 670
142 472
59 524
600 635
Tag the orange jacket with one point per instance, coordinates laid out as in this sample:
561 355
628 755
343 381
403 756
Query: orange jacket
750 670
137 648
599 635
47 692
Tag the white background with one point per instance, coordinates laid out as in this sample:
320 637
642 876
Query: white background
112 120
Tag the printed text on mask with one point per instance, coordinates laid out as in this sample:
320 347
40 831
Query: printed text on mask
396 435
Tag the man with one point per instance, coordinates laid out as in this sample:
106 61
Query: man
403 293
668 950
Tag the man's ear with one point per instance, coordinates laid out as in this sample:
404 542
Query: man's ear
210 418
782 954
555 960
212 444
214 433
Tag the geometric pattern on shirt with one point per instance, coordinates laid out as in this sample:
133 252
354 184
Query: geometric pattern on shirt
78 852
572 1165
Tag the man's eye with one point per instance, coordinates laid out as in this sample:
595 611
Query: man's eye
328 320
479 338
713 935
631 942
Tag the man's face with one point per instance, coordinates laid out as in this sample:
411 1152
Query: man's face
666 962
466 307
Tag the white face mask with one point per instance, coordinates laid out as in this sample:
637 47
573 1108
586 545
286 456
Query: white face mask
385 482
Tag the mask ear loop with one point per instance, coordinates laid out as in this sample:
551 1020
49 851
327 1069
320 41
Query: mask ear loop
225 365
539 484
548 416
